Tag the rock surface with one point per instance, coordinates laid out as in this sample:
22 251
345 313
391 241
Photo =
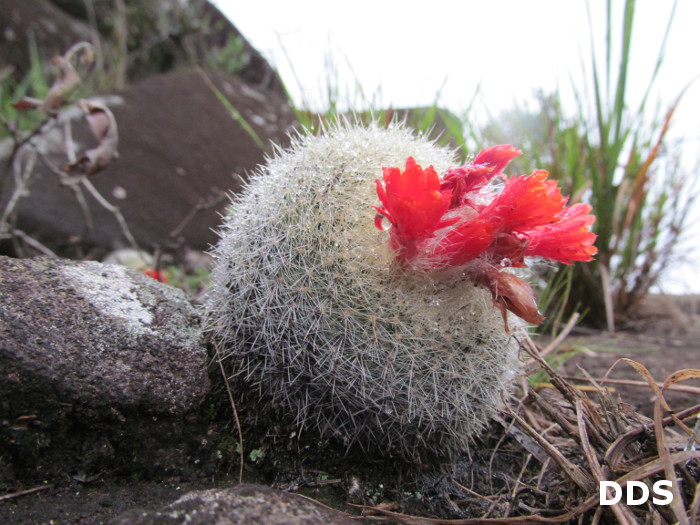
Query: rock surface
97 364
51 29
248 504
161 36
179 147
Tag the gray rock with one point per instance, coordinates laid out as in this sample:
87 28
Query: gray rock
243 504
96 363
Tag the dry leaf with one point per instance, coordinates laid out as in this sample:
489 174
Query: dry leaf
104 126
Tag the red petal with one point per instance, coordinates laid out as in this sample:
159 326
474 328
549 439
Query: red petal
413 201
569 239
526 202
497 157
464 180
462 244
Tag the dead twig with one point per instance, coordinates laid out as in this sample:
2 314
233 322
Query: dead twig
558 340
642 384
201 205
17 494
233 408
575 473
621 512
114 210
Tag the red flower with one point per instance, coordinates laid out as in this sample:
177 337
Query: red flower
497 157
457 221
526 202
414 205
461 244
566 240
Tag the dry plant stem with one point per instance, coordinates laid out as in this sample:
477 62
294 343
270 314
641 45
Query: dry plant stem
87 216
518 482
607 297
112 209
657 466
677 376
6 497
553 413
569 393
22 176
669 470
641 384
95 38
573 472
19 142
79 197
202 205
72 183
120 36
621 512
695 506
559 339
696 433
615 452
235 416
395 517
486 499
19 234
609 409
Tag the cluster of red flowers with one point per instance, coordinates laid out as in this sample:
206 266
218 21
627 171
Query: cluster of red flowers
457 220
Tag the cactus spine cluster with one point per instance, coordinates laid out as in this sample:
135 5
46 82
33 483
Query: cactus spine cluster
310 308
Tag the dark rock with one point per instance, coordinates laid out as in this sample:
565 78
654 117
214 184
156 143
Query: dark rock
165 35
100 368
23 24
249 504
160 36
178 147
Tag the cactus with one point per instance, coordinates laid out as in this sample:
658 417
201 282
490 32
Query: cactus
310 306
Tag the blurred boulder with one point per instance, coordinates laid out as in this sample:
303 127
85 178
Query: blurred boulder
240 504
196 108
180 152
134 38
101 369
37 23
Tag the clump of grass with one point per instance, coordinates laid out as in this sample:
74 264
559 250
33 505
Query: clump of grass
610 155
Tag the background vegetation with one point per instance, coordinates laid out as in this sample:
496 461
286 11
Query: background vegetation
605 151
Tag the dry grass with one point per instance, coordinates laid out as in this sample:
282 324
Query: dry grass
566 441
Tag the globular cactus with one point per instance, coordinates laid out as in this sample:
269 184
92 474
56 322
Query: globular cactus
353 331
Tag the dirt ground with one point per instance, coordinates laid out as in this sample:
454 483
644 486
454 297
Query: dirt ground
667 339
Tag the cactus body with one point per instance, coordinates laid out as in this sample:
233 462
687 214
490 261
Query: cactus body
309 306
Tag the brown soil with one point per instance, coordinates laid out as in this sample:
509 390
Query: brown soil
666 340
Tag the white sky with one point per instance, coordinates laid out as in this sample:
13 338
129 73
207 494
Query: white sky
404 54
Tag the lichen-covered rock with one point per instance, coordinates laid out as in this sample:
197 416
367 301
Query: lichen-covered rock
241 504
96 361
310 307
